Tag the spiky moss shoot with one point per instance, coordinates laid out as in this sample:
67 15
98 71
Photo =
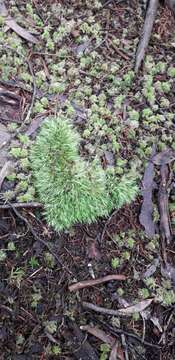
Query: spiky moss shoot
121 191
71 189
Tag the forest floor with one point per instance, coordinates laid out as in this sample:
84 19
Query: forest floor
79 61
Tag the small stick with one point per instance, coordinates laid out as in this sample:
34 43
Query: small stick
21 205
100 309
89 283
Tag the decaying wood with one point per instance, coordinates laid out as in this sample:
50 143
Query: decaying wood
165 226
147 29
89 283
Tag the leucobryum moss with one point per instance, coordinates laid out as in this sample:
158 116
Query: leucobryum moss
72 189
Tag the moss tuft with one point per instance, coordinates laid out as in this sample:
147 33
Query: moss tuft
71 189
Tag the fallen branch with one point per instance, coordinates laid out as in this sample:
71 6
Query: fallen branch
89 283
147 29
139 307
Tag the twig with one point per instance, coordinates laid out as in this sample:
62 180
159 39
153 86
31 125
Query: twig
106 224
120 51
125 347
100 309
88 283
147 29
21 205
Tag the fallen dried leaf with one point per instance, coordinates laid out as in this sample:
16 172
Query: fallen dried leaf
116 352
21 31
35 124
6 170
11 23
136 308
150 270
100 334
164 157
106 338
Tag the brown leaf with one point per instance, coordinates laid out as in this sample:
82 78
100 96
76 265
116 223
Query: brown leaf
116 352
136 308
99 334
106 338
21 31
150 270
35 124
164 157
6 170
14 26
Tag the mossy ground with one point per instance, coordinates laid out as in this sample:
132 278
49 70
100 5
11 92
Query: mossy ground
83 69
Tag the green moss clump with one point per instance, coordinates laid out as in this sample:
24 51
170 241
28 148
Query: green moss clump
71 189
